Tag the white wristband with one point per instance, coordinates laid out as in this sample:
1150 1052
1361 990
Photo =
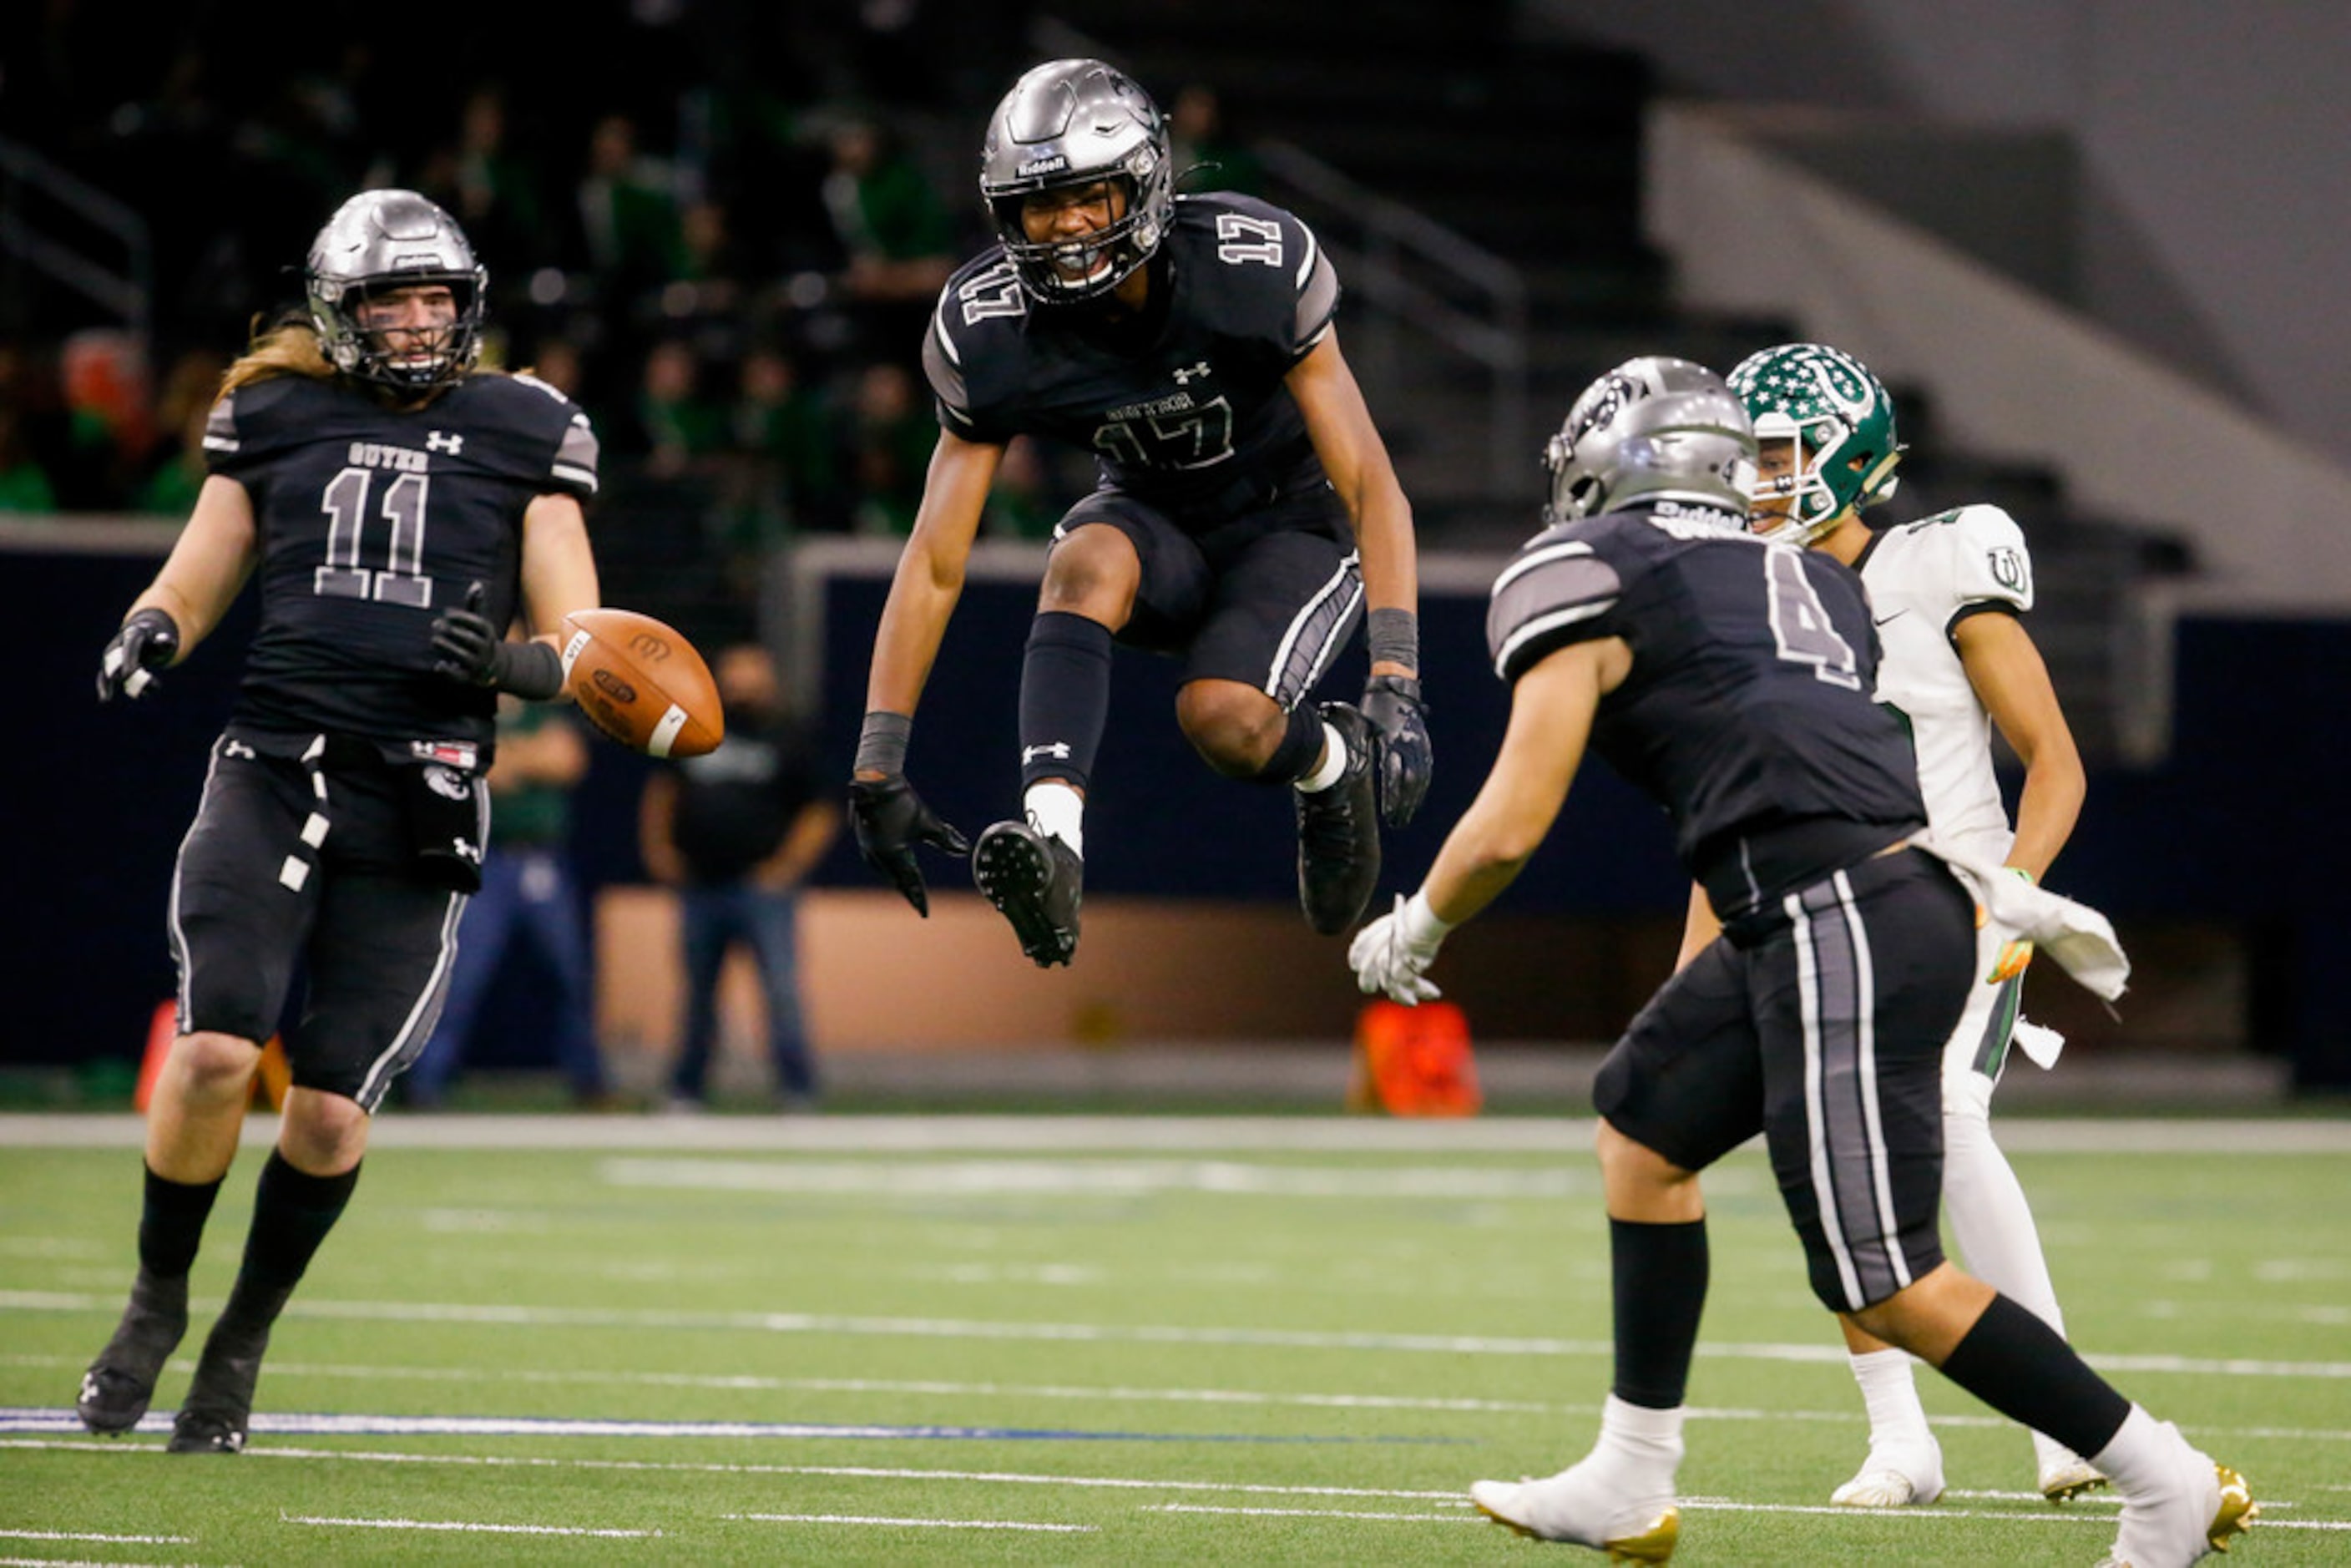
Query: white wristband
1418 923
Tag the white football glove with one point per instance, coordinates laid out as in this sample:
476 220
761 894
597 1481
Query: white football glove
1392 954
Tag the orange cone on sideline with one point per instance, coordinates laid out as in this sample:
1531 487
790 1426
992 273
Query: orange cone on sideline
1413 1061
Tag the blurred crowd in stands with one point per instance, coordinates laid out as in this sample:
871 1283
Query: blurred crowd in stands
718 226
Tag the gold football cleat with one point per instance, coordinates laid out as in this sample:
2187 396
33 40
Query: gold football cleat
1654 1544
2238 1509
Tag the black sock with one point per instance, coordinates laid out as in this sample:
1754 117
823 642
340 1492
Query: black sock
1659 1273
1064 697
171 1224
1301 748
2024 1369
292 1212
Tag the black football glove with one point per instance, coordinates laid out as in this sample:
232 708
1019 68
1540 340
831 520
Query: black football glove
468 648
1401 755
465 644
148 642
890 819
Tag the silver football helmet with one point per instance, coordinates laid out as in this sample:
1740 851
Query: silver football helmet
1073 122
382 240
1653 428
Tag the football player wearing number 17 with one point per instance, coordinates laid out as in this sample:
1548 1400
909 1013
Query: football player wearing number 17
1247 514
1947 593
1729 677
399 507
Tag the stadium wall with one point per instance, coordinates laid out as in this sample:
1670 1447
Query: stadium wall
2223 867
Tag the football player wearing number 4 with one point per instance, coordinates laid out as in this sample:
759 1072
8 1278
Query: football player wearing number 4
1187 342
399 509
1947 593
1729 677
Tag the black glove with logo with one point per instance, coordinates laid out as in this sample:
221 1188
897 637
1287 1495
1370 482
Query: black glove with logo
890 819
1401 755
148 642
468 648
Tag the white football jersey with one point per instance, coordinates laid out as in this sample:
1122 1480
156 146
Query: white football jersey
1924 578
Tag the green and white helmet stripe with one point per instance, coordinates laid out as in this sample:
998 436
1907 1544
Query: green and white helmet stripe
1838 412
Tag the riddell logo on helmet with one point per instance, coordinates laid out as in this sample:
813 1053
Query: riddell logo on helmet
1053 165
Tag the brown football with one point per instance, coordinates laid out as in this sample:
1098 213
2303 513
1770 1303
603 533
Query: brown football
641 683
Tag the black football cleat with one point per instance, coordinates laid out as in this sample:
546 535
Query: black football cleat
1339 833
1036 882
120 1383
219 1406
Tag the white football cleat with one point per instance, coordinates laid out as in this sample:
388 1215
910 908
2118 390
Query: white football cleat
1895 1476
1578 1505
2202 1507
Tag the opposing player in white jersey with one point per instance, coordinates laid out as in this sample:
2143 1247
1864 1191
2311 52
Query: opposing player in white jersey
1947 593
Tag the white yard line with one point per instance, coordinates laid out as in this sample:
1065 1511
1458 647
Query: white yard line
736 1382
93 1535
915 1523
1112 1178
1102 1334
1320 1513
1120 1484
464 1526
1570 1137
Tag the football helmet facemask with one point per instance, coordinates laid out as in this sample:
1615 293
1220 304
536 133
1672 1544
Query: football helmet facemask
1070 123
1652 428
1842 422
382 240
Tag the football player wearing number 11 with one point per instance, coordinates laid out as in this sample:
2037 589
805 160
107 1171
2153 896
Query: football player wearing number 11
1729 677
1247 516
399 507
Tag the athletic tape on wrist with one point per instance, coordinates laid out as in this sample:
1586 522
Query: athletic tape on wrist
881 743
1394 636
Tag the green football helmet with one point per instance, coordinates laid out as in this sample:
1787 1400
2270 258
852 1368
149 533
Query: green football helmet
1842 424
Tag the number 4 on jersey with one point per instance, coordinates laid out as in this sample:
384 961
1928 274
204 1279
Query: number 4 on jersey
1800 621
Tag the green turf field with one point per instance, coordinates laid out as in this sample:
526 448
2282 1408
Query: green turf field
966 1340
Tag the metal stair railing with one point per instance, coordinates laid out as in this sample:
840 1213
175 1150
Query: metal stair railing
1410 268
128 292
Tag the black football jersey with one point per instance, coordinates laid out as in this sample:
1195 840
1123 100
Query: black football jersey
373 520
1747 709
1194 418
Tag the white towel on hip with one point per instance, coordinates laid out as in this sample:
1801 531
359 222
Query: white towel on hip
2077 937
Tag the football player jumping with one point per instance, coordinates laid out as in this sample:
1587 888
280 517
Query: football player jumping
1729 676
1246 518
1947 593
399 507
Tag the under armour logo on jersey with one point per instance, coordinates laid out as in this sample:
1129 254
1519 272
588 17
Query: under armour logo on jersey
437 442
1058 751
1185 376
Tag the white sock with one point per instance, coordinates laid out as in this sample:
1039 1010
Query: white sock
1057 810
2140 1458
1648 1442
1889 1392
1990 1219
1333 763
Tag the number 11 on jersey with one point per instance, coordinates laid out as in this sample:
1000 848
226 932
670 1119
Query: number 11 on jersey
401 579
